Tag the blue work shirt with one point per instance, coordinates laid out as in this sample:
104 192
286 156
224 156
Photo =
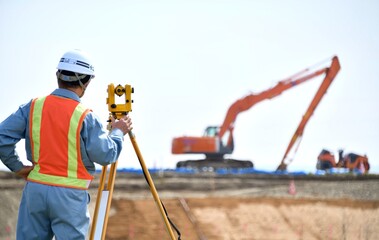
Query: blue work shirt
97 146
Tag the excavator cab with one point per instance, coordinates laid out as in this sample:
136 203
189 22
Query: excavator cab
211 131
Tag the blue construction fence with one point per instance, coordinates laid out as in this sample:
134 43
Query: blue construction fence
217 171
221 171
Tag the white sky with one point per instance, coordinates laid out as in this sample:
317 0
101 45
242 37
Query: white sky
190 60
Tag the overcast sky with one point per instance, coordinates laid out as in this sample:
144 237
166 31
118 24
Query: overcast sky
190 60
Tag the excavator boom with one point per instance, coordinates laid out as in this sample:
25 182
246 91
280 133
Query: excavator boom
330 74
247 102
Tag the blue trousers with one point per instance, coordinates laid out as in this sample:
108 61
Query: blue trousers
47 211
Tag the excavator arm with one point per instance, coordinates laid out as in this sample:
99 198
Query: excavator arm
330 74
247 102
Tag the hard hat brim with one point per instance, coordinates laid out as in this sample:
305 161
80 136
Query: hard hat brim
75 68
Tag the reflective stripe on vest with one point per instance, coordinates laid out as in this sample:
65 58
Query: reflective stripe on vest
55 125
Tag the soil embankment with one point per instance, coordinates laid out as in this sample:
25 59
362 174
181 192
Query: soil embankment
209 206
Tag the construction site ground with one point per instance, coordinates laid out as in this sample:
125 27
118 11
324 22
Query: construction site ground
235 207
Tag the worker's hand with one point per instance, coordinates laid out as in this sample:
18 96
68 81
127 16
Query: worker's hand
24 172
124 124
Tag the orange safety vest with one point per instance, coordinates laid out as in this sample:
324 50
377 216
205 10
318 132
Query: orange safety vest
54 124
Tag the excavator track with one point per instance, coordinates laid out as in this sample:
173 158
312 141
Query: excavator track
210 164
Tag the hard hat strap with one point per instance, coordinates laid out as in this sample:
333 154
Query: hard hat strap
67 78
81 85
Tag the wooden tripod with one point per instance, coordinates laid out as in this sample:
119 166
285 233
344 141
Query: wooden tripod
104 198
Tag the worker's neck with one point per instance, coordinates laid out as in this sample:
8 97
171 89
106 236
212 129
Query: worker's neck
78 91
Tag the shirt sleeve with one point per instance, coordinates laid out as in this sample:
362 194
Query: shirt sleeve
101 147
12 130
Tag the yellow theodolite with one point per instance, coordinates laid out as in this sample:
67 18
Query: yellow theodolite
119 110
105 191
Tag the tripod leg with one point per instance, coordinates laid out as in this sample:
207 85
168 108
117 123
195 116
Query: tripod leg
110 187
152 186
95 223
103 203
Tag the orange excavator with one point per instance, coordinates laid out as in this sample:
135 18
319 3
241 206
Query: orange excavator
350 161
218 140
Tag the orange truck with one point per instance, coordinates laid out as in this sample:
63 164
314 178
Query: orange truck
218 141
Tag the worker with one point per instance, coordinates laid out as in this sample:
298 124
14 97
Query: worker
63 141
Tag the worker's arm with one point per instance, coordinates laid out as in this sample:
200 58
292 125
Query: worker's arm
12 130
101 146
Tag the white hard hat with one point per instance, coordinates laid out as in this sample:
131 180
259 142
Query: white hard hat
76 61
